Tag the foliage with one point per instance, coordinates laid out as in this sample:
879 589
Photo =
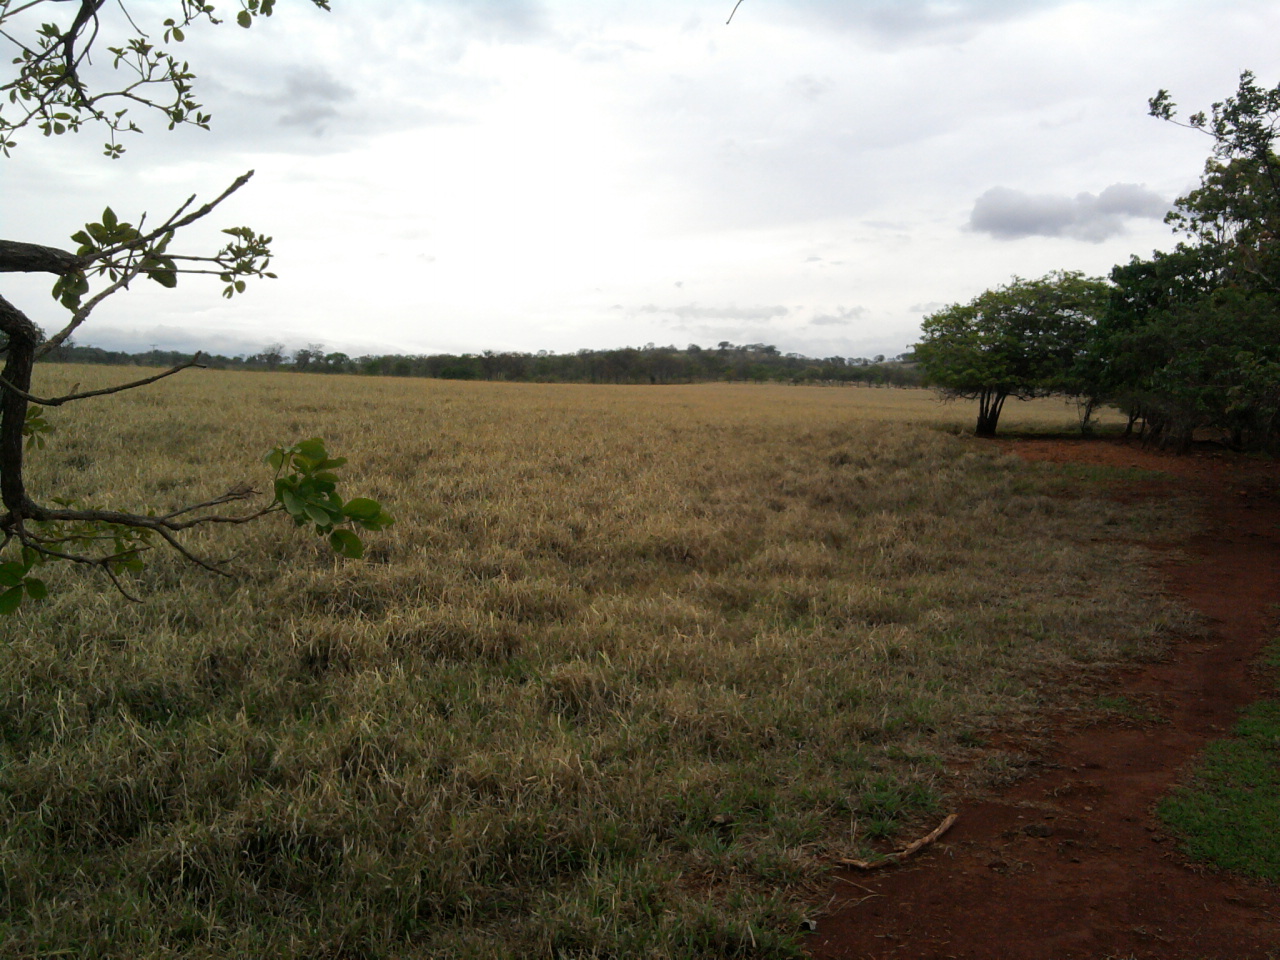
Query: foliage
1022 340
1237 205
47 91
1183 341
1191 339
1183 345
306 487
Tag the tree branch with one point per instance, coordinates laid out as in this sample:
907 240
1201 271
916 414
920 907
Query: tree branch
59 401
82 313
18 257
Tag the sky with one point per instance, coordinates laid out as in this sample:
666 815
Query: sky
469 175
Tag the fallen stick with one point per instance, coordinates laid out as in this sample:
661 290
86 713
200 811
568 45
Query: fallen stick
914 847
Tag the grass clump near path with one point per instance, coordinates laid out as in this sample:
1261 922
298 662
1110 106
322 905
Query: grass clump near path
1228 811
632 668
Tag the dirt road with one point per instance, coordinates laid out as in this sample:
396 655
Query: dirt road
1070 862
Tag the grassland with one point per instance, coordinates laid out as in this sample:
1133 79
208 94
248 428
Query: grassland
633 665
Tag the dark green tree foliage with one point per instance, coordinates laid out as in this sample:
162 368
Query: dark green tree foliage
1237 205
1191 339
1023 340
631 365
48 91
1183 345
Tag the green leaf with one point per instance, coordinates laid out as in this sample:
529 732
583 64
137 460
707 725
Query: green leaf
312 449
319 514
362 508
10 599
244 19
291 502
11 574
346 544
36 588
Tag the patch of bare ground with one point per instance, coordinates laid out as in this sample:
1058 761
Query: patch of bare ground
1069 862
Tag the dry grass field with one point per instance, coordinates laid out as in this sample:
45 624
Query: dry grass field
632 667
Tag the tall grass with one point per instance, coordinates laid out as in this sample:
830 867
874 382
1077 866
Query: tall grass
630 669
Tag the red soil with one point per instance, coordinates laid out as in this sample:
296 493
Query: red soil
1070 862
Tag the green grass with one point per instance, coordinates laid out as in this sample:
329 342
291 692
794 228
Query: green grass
1228 811
1126 708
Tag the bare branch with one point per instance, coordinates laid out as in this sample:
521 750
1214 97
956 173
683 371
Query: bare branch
732 12
59 401
115 581
189 556
157 524
236 493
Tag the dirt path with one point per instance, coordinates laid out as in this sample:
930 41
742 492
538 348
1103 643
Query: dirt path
1070 863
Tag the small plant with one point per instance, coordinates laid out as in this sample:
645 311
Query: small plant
306 489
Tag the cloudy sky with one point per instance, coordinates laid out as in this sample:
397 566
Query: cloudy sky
463 175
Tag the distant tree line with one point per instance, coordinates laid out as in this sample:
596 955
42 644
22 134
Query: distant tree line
1184 342
649 364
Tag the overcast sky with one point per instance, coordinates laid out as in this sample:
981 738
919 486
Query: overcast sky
463 175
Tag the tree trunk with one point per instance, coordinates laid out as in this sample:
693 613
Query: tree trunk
23 337
990 403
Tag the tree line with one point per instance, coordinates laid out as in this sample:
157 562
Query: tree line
1185 342
649 364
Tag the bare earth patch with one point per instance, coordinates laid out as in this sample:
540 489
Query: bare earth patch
1070 862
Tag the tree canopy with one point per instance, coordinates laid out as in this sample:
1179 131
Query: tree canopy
1020 340
1191 339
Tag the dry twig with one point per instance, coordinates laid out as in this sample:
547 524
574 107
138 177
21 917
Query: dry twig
914 847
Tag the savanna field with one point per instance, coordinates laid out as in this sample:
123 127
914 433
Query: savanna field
632 668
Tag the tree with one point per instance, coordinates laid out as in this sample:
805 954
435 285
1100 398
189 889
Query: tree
1021 340
1237 205
1191 339
50 92
309 357
272 355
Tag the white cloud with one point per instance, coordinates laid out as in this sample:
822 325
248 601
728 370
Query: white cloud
1008 214
694 311
840 317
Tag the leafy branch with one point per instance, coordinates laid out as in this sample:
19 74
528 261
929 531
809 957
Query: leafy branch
305 487
48 93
